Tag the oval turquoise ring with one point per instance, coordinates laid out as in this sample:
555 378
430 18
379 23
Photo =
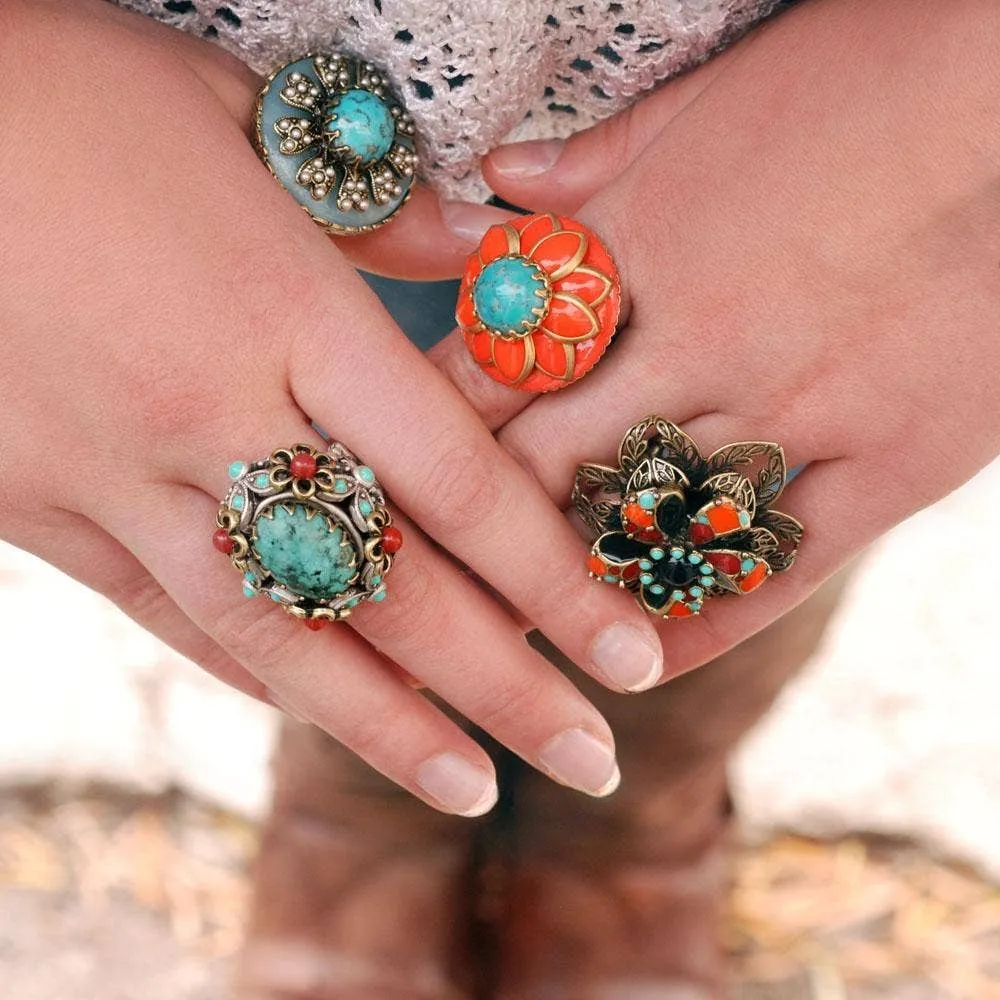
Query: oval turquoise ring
330 129
310 530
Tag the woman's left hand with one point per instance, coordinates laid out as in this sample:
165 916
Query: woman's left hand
809 232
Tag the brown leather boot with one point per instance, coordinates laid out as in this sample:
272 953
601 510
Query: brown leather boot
621 898
360 889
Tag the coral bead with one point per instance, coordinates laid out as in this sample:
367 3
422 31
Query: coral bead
223 542
314 623
392 540
303 466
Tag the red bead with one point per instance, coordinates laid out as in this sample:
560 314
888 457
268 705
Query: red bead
392 540
223 542
314 623
303 466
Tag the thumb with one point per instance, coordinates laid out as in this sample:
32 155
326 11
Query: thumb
556 175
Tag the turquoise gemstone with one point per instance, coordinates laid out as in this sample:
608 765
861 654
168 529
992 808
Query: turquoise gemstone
645 577
748 564
657 553
610 579
645 564
695 591
376 580
365 124
676 553
365 507
236 469
657 588
706 570
306 554
507 292
694 558
237 502
249 590
379 597
261 480
647 501
340 486
365 474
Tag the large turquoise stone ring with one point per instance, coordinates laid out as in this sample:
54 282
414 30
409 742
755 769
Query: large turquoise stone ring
333 133
310 530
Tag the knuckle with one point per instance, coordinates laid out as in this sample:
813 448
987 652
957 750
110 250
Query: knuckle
256 639
461 488
142 598
506 702
412 617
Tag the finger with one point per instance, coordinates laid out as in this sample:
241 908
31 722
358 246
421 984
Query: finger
455 640
816 497
423 242
85 552
553 175
444 468
496 403
332 679
418 244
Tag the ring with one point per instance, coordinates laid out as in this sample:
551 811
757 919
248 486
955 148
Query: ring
539 302
310 529
675 528
330 129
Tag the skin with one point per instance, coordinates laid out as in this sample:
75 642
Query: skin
818 267
808 252
155 329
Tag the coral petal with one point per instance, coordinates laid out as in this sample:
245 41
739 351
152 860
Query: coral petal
560 253
724 517
465 313
473 268
570 318
724 562
481 345
534 227
498 242
553 356
509 356
754 578
679 610
587 284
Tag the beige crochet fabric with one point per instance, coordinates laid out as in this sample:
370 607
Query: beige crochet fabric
476 72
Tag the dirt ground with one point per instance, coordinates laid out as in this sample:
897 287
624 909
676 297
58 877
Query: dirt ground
111 898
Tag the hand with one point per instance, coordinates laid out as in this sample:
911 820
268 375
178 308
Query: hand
808 230
155 330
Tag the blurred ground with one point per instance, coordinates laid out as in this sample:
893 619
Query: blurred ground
106 897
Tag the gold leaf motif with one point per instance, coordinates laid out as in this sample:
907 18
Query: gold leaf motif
735 486
575 300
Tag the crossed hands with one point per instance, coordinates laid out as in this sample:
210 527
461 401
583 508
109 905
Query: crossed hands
802 262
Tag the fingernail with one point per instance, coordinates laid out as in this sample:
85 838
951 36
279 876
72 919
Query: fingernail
627 658
578 759
469 221
458 784
526 159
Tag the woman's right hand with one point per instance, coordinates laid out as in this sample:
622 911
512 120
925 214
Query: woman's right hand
166 309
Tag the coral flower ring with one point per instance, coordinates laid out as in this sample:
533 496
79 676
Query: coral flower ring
539 302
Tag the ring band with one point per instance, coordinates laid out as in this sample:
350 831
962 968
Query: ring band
675 528
310 529
539 302
333 133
